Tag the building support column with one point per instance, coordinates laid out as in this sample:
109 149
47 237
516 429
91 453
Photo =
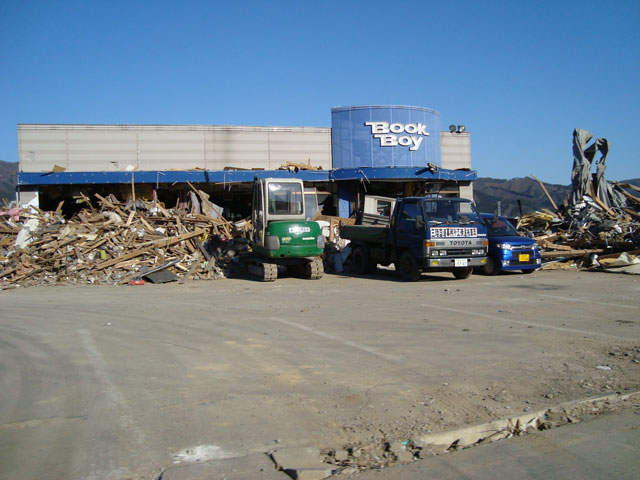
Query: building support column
344 199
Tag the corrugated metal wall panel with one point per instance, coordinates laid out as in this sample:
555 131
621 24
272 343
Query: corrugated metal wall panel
97 161
164 147
239 149
300 147
42 161
41 150
456 150
237 142
96 150
466 191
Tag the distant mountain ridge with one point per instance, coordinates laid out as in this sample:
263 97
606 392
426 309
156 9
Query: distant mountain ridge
487 192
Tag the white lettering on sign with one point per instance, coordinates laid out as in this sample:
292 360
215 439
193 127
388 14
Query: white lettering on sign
445 232
390 135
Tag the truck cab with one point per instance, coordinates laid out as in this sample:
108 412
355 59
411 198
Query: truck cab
441 233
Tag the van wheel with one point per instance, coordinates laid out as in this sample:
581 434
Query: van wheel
462 273
408 267
491 267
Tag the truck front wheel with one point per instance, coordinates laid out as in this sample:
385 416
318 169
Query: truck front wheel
408 267
462 273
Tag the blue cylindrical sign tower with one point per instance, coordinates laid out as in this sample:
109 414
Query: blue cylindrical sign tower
385 136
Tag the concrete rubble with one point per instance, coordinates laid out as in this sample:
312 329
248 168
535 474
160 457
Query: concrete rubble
302 463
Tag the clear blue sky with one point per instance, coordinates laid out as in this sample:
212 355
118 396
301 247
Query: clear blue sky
520 75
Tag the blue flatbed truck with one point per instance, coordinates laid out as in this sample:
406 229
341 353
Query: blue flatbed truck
424 235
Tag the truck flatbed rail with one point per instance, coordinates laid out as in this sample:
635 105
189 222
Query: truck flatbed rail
369 233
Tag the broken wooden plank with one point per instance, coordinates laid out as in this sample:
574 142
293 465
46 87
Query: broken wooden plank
571 253
544 189
165 242
194 266
122 258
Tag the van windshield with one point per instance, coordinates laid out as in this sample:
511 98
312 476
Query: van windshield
500 227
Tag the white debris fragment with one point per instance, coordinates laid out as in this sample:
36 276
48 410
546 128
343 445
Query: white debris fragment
202 453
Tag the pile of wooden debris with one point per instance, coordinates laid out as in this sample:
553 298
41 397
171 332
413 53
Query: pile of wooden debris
110 242
599 219
600 231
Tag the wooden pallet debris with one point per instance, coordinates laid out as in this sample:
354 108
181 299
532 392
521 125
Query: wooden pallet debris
295 167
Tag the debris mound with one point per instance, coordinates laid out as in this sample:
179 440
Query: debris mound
598 219
112 242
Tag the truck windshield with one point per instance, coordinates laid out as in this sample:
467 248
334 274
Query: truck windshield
285 199
450 210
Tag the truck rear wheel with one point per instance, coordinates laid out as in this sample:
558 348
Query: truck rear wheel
408 267
462 273
361 262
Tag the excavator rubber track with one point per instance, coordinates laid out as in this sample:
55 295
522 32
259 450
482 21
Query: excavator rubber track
314 269
266 272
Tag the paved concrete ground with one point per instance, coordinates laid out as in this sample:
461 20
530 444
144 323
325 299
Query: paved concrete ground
599 448
128 382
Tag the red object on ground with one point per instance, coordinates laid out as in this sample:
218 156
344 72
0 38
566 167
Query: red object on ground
136 282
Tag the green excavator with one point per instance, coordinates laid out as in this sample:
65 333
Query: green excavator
281 234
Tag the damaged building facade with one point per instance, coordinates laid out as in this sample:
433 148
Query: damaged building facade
369 150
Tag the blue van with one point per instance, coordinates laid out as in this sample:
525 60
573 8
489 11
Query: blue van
508 250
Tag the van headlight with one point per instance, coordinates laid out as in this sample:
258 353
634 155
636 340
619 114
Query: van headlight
505 246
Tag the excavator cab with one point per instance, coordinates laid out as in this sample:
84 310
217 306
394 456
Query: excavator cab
281 234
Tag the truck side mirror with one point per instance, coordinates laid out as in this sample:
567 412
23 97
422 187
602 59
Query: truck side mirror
419 222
